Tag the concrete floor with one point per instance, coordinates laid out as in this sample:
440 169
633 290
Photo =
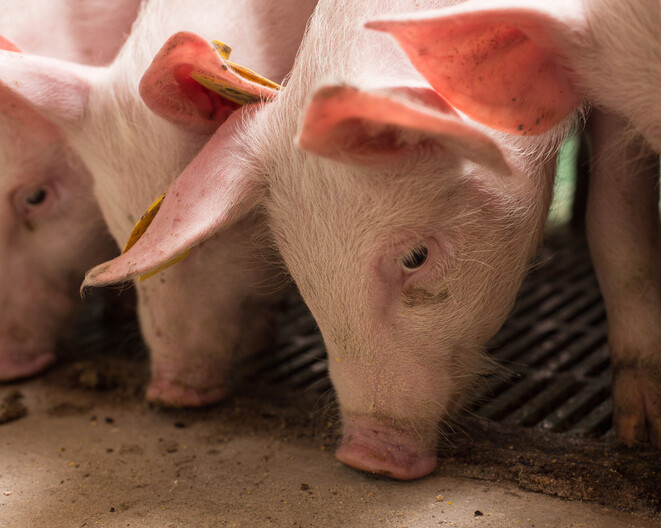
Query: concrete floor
89 452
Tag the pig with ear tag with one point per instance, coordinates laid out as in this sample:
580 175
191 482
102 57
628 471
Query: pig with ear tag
51 229
521 66
198 316
406 226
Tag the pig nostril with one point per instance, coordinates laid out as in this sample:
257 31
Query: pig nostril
37 197
416 258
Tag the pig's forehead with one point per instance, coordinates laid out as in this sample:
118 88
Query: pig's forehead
347 194
359 224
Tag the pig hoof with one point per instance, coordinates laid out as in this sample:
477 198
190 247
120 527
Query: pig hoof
637 406
173 394
13 368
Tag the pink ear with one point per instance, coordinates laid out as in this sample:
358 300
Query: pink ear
499 62
8 45
56 89
19 114
212 193
379 128
169 89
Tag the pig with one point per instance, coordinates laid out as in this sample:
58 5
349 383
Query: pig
82 31
521 66
219 303
51 230
407 227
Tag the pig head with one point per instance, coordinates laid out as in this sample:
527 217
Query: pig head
407 231
521 66
51 231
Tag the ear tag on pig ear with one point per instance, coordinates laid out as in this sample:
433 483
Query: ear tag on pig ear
224 88
139 230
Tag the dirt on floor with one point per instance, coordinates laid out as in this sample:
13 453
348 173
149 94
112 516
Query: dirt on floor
79 447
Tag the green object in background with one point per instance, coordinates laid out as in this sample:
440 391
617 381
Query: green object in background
565 183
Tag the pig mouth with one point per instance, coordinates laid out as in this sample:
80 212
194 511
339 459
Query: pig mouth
373 446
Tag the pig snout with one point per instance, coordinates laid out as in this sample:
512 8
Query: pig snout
180 387
374 445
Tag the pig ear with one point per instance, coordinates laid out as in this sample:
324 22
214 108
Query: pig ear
211 194
6 44
58 90
176 86
499 62
384 127
23 115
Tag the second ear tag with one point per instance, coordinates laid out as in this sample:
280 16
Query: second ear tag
242 95
139 230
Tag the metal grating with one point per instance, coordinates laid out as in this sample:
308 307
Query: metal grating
553 350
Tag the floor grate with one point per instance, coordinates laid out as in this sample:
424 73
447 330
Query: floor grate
553 350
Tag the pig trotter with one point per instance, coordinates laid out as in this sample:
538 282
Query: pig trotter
637 401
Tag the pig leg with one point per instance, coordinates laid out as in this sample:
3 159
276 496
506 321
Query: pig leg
198 316
623 234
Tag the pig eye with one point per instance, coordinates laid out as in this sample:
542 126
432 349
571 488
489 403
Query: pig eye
31 201
415 259
37 197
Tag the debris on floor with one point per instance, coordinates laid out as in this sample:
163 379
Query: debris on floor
12 408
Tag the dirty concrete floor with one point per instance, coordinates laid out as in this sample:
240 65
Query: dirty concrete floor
89 452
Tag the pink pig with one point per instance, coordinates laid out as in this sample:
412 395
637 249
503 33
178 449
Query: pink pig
521 66
218 303
51 229
406 227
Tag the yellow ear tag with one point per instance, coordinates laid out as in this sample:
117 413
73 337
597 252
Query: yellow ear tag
222 87
139 230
